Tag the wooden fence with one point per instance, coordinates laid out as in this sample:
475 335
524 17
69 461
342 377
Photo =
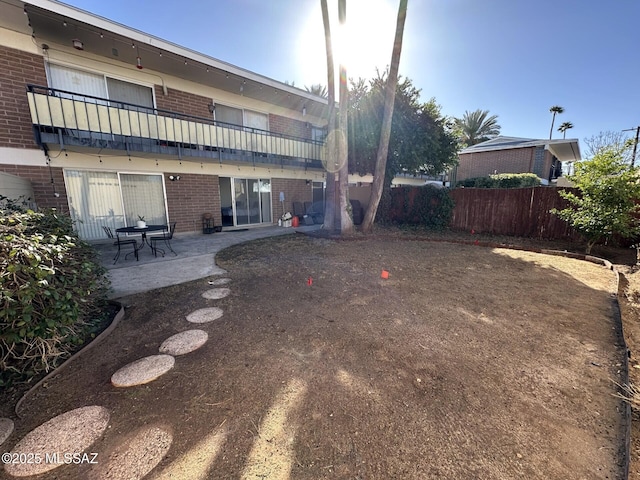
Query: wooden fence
522 212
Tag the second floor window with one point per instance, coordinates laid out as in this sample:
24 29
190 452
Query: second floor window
241 118
97 85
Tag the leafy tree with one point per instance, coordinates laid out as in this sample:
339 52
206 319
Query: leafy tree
605 204
606 140
317 89
477 126
564 127
421 139
555 110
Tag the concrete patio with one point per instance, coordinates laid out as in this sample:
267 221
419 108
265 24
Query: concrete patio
194 259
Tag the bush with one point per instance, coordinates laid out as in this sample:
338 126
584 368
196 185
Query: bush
427 206
502 180
52 292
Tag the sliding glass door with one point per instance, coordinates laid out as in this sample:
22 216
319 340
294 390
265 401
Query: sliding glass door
113 199
245 201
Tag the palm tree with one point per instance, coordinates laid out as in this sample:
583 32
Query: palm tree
477 126
555 109
564 127
317 89
385 129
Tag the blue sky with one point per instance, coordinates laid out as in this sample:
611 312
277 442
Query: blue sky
515 58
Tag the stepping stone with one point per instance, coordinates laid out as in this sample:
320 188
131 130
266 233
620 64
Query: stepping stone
72 432
216 293
220 281
143 371
134 458
184 342
205 315
6 429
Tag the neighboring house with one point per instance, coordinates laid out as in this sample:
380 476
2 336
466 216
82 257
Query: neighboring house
109 123
517 155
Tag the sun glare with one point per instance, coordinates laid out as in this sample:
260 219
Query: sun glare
364 45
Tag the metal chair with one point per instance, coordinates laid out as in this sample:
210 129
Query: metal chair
119 242
166 238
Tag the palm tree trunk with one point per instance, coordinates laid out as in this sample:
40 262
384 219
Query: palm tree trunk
330 205
553 119
385 132
346 221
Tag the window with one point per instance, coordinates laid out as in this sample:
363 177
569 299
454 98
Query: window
241 118
96 85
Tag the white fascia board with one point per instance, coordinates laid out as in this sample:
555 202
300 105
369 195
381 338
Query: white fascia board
102 23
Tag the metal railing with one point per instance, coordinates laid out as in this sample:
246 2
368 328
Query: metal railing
67 118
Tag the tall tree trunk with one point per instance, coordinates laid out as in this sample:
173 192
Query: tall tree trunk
330 152
346 221
553 119
385 131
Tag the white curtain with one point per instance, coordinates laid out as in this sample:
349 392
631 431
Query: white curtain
143 196
95 201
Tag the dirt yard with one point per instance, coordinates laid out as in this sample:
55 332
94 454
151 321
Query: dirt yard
466 362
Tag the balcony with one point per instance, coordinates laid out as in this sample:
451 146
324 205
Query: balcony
68 119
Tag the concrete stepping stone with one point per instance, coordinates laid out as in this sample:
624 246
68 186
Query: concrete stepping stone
136 457
72 432
220 281
205 315
216 293
6 429
143 371
184 342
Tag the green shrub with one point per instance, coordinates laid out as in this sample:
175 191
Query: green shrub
502 180
427 206
52 292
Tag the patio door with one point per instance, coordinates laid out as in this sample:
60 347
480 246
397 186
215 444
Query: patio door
245 201
113 199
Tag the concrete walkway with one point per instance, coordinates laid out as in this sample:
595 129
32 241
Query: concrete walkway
195 259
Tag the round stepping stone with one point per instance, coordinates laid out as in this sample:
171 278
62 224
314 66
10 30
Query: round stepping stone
136 457
220 281
143 371
184 342
6 428
205 315
71 432
216 293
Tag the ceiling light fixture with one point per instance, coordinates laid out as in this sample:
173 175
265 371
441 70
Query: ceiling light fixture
77 44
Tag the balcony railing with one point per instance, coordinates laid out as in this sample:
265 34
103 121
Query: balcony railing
69 119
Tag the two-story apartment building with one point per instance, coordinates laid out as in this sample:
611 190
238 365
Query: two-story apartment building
110 123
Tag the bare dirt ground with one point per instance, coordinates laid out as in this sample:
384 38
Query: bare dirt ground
467 362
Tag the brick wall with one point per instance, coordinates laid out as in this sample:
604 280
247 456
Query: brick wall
190 197
289 126
294 191
481 164
43 189
183 102
18 69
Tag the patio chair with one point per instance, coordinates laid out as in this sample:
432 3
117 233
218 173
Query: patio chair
119 242
298 210
166 238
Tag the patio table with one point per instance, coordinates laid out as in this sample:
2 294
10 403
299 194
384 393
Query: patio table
143 231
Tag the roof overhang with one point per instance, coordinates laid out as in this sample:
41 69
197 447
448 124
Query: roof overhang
565 150
58 23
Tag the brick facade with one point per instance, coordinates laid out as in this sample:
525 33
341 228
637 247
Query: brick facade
482 164
190 197
43 189
294 191
289 126
18 69
183 102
